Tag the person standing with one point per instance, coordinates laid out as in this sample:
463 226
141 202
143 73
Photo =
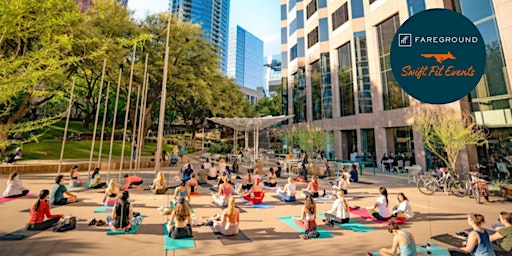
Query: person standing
15 187
182 152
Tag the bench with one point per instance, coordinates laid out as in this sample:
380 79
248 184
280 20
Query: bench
506 191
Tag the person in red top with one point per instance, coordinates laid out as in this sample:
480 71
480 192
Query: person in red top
39 210
132 181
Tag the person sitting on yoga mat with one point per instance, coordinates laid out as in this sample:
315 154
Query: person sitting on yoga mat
354 176
225 190
95 181
325 171
255 195
213 172
339 212
503 236
58 190
159 185
342 185
14 187
403 242
288 192
202 176
227 223
478 242
111 193
193 183
180 223
247 182
132 181
74 177
187 171
271 178
121 214
38 210
303 175
404 209
313 187
182 192
307 219
380 210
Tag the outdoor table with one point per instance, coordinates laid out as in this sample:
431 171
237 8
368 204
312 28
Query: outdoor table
413 172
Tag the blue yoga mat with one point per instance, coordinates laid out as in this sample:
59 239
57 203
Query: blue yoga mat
258 206
104 209
289 220
175 244
132 231
352 225
434 249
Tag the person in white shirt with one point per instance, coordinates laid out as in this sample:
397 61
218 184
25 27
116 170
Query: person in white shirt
380 210
288 192
213 172
404 208
207 164
14 187
339 212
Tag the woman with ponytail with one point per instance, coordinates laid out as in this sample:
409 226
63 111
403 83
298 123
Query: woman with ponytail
380 210
39 209
15 187
227 223
122 214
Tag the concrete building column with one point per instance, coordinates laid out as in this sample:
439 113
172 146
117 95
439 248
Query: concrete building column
381 145
337 144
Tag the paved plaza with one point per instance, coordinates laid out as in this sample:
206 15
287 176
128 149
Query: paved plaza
437 214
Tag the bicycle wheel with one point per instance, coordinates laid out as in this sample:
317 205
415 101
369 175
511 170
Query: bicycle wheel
457 188
427 186
476 194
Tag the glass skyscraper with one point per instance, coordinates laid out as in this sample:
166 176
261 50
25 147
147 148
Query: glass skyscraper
212 16
245 58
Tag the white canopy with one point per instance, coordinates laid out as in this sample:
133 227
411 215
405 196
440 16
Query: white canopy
250 124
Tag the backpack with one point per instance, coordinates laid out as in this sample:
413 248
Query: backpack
69 223
312 233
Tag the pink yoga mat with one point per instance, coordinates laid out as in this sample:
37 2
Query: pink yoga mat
363 213
3 199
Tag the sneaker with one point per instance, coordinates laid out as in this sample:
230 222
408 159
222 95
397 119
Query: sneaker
100 223
93 222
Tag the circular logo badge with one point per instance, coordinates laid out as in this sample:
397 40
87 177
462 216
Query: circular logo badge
438 56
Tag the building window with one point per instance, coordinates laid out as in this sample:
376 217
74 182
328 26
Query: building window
313 37
357 8
340 16
325 71
284 60
311 8
299 95
300 19
324 29
300 47
368 144
284 37
316 91
284 12
415 6
293 26
284 96
364 92
293 52
292 4
394 96
329 152
400 140
346 81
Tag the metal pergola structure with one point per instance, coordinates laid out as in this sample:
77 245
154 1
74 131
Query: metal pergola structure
249 124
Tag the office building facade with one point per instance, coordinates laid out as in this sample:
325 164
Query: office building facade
336 74
273 74
212 16
245 58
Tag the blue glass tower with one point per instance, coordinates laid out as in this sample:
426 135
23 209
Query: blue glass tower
212 16
245 58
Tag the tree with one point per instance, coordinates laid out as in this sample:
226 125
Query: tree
105 32
309 138
269 106
36 39
445 132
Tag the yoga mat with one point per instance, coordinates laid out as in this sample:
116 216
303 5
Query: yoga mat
206 185
176 244
434 249
363 213
324 200
257 206
287 202
195 194
132 231
229 240
85 185
289 221
352 196
3 199
449 239
22 233
12 237
352 225
365 182
270 188
104 209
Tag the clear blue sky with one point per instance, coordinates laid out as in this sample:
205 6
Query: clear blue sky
260 17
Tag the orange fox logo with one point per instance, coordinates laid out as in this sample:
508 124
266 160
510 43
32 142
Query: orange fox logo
440 57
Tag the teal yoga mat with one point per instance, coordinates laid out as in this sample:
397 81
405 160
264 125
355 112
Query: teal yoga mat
258 206
289 220
176 244
172 205
104 209
132 231
352 225
434 249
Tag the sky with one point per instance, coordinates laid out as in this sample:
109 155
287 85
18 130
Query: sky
260 17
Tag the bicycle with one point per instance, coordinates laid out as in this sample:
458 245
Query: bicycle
429 184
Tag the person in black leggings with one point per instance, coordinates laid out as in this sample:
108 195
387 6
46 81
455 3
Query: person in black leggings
39 209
